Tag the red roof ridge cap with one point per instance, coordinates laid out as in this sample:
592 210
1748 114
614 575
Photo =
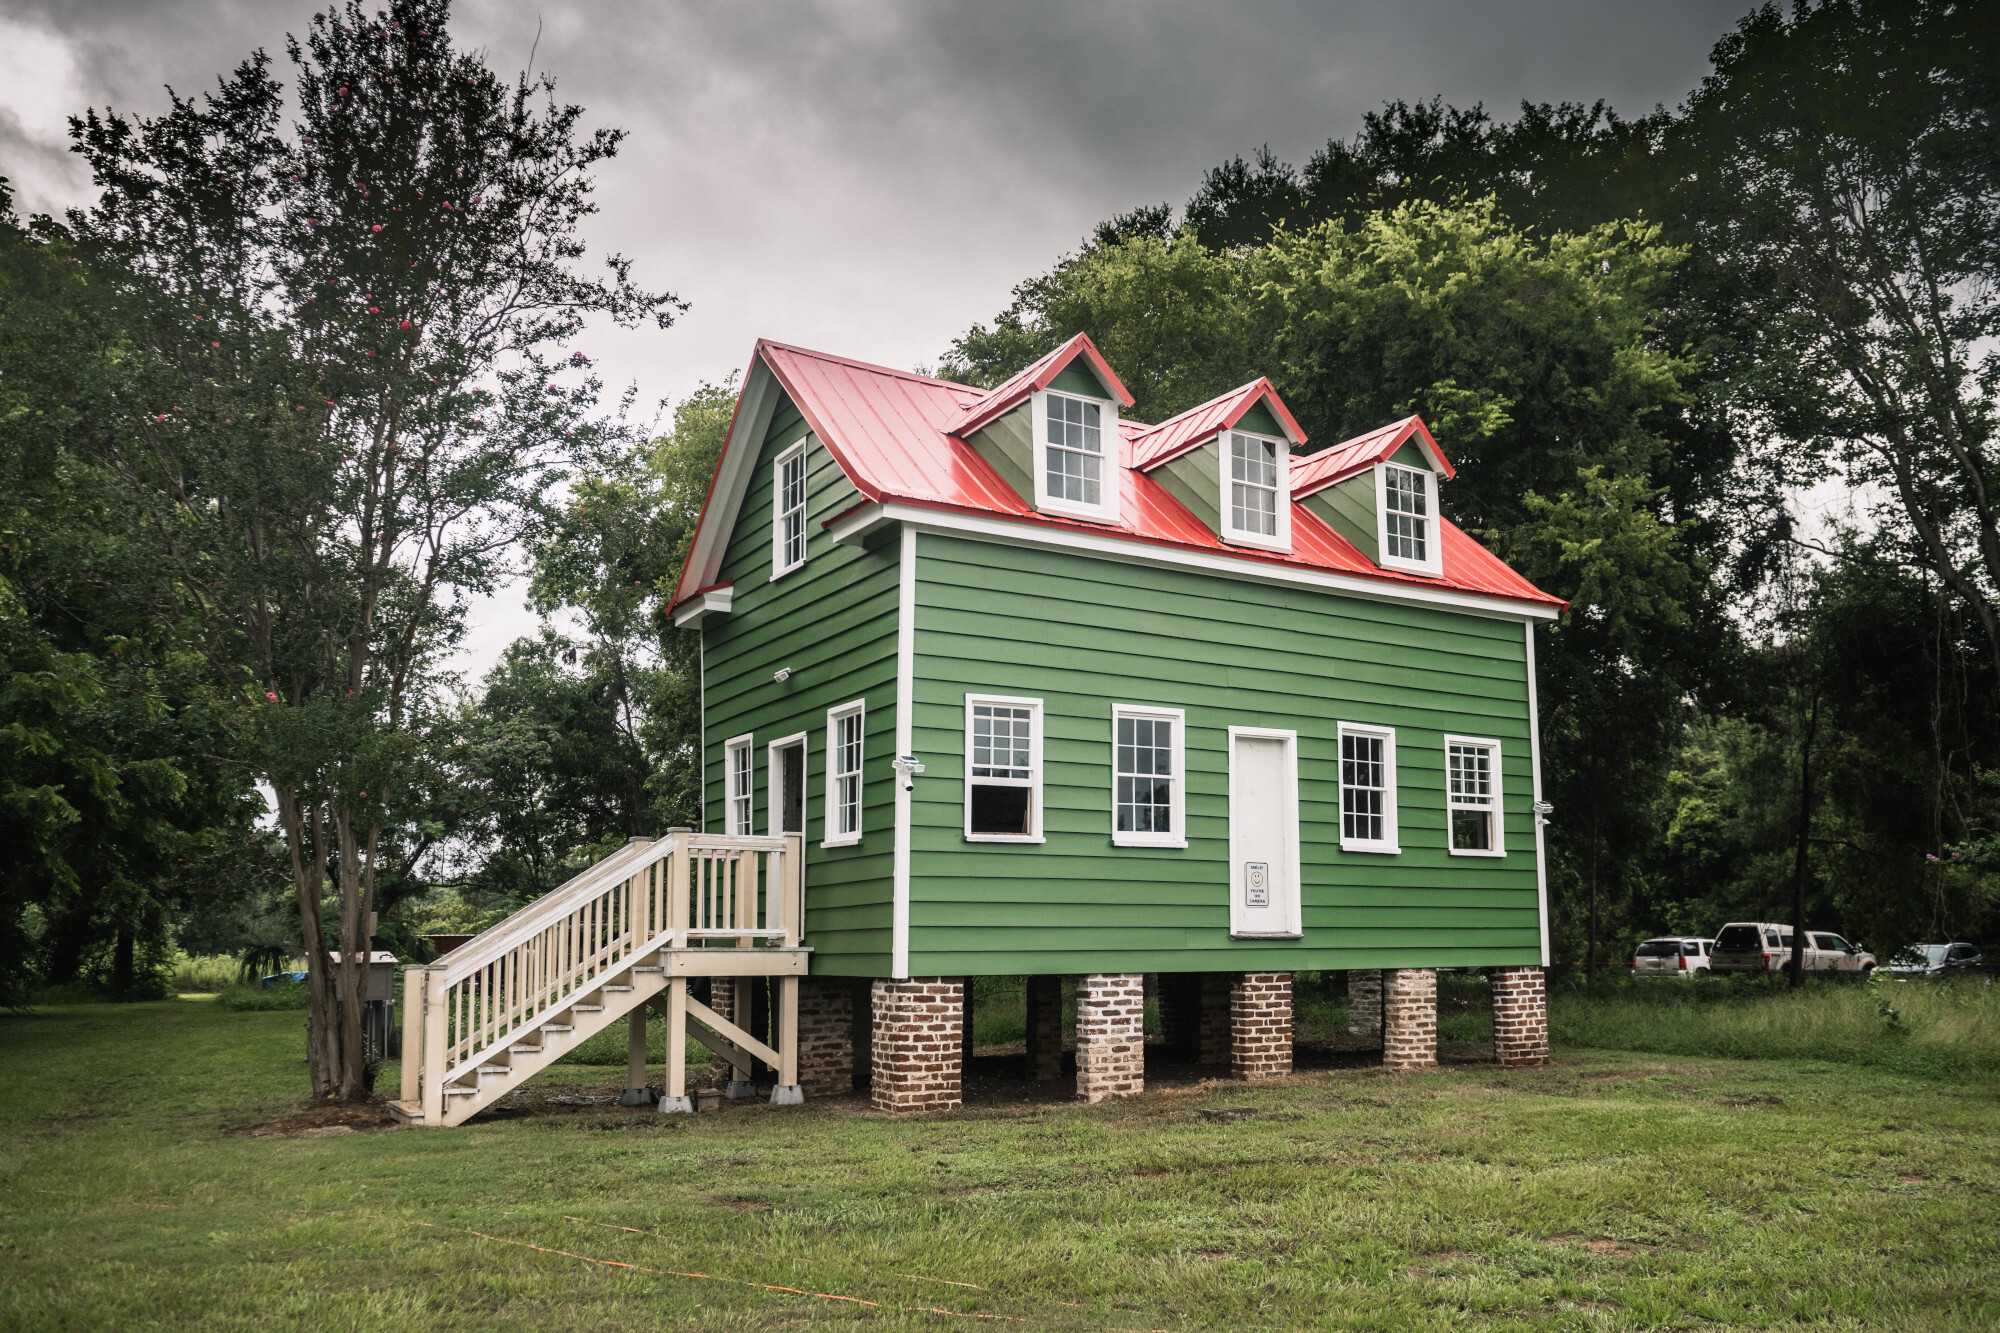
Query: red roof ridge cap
857 364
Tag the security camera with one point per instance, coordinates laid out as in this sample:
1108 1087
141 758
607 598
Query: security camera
907 768
782 674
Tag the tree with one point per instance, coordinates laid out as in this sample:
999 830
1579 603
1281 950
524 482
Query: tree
1839 163
119 790
364 399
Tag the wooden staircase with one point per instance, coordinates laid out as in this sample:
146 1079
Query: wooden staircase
627 933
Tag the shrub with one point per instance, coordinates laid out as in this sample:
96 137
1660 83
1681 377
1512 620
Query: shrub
256 999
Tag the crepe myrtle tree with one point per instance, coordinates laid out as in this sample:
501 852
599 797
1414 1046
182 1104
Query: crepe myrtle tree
366 392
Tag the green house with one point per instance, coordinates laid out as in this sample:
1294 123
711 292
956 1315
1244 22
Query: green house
1049 692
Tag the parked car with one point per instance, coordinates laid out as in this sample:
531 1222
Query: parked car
1671 955
1937 960
1766 946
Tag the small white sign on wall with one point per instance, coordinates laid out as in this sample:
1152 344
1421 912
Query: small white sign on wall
1256 884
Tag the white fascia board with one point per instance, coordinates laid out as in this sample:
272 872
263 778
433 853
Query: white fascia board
732 477
714 602
1111 546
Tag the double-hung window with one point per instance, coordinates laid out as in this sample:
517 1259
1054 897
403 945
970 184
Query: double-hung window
1148 800
1003 768
1076 455
788 510
1367 788
1472 796
736 777
1256 491
843 772
1407 499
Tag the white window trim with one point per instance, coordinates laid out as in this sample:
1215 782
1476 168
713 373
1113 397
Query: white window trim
1499 807
1034 784
1433 565
1388 843
1114 457
772 773
1224 467
730 748
852 708
779 567
1178 837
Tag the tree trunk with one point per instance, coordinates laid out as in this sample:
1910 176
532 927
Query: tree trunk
308 869
1795 969
124 962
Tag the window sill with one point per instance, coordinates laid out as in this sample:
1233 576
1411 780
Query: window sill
1372 848
1257 541
1267 935
850 840
1491 853
777 574
1130 841
1005 837
1430 569
1065 510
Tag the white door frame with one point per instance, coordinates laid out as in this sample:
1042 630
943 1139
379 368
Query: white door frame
774 772
1293 924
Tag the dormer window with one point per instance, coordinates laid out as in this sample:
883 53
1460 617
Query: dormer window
1075 454
1406 499
1256 491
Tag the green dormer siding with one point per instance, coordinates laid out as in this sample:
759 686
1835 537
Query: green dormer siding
1349 509
1259 421
1077 377
1006 444
1193 480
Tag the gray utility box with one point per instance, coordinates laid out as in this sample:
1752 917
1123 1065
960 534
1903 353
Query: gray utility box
378 1004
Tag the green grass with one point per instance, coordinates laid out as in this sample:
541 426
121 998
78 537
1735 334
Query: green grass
1945 1029
1609 1190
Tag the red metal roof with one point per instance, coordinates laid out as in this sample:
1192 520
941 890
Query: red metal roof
1178 434
1039 375
892 432
1343 460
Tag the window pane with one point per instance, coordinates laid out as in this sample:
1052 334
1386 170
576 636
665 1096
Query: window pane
1472 830
1143 759
1000 809
1406 513
1363 787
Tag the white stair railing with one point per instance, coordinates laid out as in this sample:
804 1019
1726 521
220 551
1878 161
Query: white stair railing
469 1008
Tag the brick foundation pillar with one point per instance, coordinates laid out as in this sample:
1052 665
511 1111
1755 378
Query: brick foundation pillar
965 1050
1364 1005
1045 1029
1409 1018
1180 1015
1520 1015
1212 1023
722 996
826 1036
1110 1036
915 1047
1260 1025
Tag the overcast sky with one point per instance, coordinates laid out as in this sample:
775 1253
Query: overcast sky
872 178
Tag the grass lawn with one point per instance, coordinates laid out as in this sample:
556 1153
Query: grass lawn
1609 1190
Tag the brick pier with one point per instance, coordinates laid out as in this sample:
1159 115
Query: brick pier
1409 1018
916 1044
1110 1035
826 1036
1520 1016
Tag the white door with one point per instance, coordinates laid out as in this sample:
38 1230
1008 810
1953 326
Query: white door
1263 832
786 810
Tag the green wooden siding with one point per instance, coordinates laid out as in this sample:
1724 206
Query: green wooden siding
1349 508
1006 443
1259 421
1077 377
1081 634
833 622
1192 479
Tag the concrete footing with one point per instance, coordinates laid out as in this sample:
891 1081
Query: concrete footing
636 1097
788 1094
676 1106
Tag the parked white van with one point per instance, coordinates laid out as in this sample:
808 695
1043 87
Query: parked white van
1766 946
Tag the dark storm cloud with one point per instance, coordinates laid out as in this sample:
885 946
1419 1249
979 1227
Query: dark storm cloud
873 178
